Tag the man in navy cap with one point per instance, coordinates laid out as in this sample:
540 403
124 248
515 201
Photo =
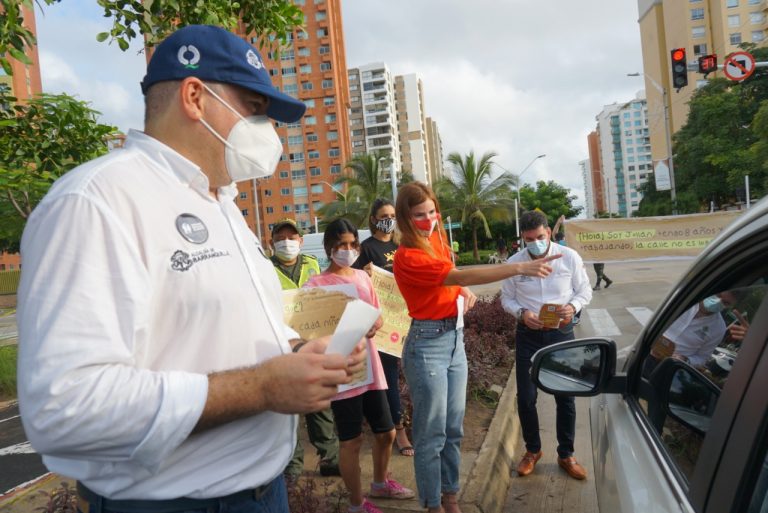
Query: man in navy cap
154 365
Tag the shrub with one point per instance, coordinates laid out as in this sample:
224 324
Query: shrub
61 500
8 371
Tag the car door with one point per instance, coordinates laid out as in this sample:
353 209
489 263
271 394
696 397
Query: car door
646 458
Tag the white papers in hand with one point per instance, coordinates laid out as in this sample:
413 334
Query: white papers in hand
355 322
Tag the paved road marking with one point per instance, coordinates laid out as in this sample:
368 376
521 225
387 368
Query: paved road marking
602 323
641 313
22 448
10 418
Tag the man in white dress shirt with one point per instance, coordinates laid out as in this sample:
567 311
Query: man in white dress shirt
154 366
567 287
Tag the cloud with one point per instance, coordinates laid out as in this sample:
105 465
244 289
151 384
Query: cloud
73 62
517 77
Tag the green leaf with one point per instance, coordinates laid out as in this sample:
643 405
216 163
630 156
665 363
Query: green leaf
102 36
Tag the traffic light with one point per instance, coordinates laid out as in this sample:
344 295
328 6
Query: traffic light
707 64
679 68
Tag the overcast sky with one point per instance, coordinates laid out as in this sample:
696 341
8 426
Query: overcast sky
517 77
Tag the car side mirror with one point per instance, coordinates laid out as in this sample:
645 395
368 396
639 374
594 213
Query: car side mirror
685 394
575 368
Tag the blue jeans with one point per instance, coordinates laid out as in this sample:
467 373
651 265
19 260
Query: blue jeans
391 366
273 500
435 367
527 343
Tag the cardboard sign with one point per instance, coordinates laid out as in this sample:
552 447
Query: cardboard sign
645 238
316 312
390 338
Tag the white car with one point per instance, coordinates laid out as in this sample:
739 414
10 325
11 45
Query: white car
682 437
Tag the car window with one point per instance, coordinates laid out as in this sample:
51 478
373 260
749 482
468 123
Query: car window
689 364
759 502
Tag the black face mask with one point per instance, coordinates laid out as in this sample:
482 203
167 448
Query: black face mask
386 225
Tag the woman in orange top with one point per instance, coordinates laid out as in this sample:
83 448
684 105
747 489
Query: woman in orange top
434 360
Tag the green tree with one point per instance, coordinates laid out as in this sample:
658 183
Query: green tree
719 145
474 196
551 198
41 140
364 182
156 19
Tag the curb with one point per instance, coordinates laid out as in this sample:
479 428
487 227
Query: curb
489 479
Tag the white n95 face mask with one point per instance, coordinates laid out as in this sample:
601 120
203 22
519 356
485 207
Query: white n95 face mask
345 257
288 249
253 147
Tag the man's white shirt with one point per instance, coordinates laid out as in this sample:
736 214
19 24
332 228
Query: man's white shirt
696 337
136 285
568 283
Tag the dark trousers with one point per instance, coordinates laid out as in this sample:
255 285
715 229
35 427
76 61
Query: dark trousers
391 366
601 275
527 343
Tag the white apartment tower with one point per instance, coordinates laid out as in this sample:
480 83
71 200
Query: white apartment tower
409 95
625 154
373 119
589 190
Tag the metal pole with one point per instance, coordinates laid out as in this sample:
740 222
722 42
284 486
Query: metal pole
256 208
746 186
517 219
450 238
669 148
393 178
608 194
317 229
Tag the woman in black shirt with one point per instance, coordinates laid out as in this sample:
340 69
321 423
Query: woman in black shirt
379 250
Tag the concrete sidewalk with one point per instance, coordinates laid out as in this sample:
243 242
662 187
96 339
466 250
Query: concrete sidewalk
489 482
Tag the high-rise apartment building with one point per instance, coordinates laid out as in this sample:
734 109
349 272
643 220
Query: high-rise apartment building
312 68
701 27
594 181
589 193
372 116
24 83
409 98
625 154
434 151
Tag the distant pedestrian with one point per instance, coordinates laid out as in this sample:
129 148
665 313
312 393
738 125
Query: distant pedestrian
601 276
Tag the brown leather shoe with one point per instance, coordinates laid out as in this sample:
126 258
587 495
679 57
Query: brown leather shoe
528 463
572 467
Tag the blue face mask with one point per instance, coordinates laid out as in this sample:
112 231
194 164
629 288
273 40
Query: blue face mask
713 304
538 247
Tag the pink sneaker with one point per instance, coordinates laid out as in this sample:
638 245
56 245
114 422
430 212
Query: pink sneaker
365 507
393 490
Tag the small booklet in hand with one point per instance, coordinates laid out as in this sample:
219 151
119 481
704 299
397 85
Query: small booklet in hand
548 315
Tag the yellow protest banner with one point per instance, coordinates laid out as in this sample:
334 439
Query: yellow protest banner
390 338
645 238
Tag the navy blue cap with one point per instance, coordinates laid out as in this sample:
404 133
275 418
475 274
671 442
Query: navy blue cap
212 53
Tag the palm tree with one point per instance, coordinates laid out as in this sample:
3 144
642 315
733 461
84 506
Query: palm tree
364 184
474 195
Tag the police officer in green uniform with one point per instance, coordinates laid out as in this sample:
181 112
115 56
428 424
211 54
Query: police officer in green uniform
293 270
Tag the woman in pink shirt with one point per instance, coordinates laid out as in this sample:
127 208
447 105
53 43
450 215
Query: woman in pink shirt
342 246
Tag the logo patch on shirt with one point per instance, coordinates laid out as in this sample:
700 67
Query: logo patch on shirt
183 261
192 228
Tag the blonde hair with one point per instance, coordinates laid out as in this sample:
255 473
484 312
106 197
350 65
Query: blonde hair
408 196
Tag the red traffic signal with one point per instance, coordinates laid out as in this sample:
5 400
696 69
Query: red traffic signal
679 68
707 63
